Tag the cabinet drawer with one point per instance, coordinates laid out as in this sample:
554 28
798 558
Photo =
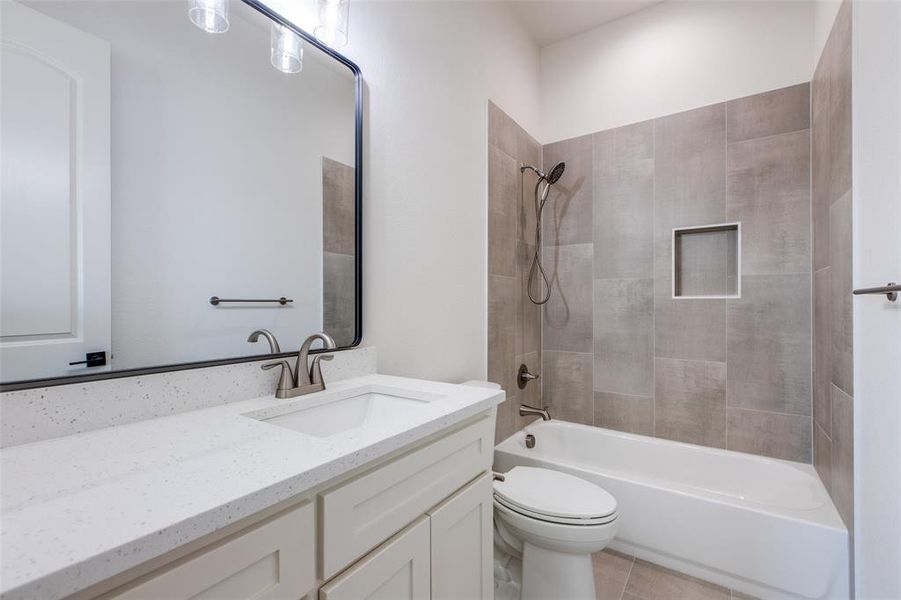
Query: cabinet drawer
274 559
360 514
397 570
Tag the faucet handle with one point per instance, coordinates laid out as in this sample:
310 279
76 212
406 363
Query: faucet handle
286 379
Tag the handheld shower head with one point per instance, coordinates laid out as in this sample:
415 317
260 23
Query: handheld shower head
556 173
552 177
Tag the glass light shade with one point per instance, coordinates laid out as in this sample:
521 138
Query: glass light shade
209 15
331 27
286 49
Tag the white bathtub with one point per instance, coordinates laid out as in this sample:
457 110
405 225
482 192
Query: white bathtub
762 526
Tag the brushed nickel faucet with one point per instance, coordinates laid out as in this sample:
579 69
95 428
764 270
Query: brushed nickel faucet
273 343
303 378
529 411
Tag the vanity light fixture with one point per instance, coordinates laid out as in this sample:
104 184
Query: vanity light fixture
209 15
286 52
331 27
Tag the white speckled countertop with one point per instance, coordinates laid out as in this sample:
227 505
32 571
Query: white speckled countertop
79 509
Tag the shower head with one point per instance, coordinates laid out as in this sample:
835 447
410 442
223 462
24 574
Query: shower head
556 173
551 177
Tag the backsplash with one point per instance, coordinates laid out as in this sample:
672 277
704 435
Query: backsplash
619 351
44 413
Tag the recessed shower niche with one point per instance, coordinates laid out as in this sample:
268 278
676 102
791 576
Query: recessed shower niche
707 261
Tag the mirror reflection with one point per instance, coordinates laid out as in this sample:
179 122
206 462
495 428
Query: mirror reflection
150 168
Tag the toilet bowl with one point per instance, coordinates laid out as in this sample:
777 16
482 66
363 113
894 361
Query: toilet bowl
553 522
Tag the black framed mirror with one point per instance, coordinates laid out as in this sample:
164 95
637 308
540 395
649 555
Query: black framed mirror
167 190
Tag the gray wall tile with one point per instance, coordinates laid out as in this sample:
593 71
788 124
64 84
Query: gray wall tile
567 217
338 207
646 179
769 434
690 169
688 329
530 313
842 487
832 243
503 209
624 336
822 349
624 202
568 314
502 293
769 344
633 414
770 113
339 297
840 296
820 164
503 132
690 401
566 390
822 454
839 81
769 193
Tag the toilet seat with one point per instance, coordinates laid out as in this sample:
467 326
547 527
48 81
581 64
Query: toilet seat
554 497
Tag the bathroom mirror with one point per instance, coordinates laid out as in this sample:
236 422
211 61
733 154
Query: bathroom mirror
169 187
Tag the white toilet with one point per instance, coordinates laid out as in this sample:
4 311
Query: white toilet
553 521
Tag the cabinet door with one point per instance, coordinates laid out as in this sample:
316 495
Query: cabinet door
273 560
462 545
396 570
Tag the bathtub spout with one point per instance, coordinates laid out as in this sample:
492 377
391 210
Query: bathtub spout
528 411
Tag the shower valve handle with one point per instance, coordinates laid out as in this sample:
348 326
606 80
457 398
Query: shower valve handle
524 376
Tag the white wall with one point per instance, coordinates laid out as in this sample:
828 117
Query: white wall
430 68
672 57
876 118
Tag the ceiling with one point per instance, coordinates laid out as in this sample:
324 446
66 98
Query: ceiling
550 21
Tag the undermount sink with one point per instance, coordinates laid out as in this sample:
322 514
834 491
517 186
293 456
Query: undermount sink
350 410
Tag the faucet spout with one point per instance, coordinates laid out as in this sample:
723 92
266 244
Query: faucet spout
530 411
302 371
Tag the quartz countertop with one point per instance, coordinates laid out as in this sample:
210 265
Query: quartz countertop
79 509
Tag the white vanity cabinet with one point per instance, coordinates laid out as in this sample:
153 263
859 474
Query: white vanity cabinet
414 526
274 559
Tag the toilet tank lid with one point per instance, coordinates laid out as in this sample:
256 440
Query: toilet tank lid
555 494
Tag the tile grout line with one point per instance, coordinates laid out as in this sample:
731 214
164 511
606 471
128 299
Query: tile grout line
653 289
738 275
622 594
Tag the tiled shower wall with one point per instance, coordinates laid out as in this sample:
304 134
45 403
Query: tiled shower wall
831 178
338 245
619 351
514 323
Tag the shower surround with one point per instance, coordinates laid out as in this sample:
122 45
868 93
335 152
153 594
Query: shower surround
618 350
514 323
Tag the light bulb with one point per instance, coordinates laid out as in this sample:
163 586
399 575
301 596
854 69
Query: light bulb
331 26
209 15
286 52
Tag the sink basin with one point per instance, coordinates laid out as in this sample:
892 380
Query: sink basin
354 409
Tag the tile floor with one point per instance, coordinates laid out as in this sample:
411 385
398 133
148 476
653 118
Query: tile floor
622 577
